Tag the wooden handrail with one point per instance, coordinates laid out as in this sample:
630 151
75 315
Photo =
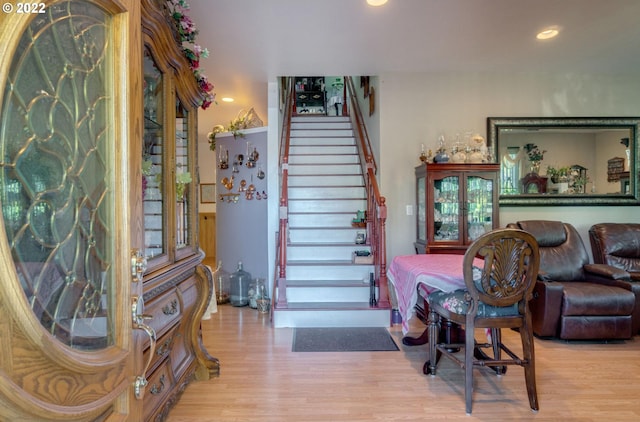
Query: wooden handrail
285 142
376 203
358 122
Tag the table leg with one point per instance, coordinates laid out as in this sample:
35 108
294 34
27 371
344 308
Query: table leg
451 333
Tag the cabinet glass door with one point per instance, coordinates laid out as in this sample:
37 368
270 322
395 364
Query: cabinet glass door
153 157
57 170
479 206
65 243
183 181
421 197
446 209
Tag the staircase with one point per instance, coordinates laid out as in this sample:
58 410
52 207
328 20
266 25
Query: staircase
326 187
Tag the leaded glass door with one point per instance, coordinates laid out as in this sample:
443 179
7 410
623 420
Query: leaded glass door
66 300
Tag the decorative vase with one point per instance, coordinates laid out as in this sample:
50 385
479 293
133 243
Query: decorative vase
535 167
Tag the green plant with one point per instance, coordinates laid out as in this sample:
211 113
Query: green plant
556 173
182 179
236 125
579 182
212 136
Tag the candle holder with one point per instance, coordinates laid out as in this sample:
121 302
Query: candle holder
426 158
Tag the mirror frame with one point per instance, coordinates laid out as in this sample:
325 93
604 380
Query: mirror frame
494 124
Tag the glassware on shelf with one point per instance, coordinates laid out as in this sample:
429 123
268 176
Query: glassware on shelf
150 101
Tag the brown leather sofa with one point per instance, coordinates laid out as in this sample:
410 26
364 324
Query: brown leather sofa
575 300
618 245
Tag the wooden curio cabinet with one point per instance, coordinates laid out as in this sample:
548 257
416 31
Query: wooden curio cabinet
456 203
176 286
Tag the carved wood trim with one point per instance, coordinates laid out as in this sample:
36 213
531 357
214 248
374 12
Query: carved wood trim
158 31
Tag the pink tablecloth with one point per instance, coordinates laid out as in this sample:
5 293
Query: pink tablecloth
430 272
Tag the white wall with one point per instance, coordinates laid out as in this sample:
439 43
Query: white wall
416 108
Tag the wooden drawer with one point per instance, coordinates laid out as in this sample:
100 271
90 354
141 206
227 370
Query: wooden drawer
164 347
161 383
165 311
181 355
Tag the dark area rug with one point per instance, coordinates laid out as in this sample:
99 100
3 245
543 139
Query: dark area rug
360 339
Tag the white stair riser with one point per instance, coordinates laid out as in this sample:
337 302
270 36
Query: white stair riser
328 205
320 220
323 235
316 141
329 272
315 119
326 188
320 169
322 133
327 192
326 180
324 159
327 294
320 252
320 125
332 318
323 149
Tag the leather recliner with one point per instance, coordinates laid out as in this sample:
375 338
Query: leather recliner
575 300
618 245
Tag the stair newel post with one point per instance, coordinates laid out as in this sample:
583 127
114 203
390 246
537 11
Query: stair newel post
381 259
282 238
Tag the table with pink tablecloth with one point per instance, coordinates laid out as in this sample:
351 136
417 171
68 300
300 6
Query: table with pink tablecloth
427 272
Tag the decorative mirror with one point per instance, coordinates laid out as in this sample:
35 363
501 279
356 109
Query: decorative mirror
566 161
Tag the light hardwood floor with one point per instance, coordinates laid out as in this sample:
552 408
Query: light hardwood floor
263 380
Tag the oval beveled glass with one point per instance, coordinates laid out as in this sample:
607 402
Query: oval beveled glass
56 172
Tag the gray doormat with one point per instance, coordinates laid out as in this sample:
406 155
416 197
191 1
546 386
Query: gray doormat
360 339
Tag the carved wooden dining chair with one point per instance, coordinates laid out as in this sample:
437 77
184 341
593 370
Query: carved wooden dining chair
496 296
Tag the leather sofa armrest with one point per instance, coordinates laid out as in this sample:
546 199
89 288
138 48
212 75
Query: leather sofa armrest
543 276
607 271
546 307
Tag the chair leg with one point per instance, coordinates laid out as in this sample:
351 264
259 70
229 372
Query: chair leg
434 335
526 334
469 347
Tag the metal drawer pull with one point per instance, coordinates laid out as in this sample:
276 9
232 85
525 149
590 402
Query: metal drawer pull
138 323
155 390
165 347
171 308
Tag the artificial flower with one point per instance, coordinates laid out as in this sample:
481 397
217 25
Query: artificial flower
187 32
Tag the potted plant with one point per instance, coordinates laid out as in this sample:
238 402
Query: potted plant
559 174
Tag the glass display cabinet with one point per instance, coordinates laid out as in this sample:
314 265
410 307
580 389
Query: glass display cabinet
176 286
103 284
456 203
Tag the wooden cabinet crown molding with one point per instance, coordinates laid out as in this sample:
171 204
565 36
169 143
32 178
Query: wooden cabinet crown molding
158 29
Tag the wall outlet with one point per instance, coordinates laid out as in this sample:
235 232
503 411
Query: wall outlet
409 209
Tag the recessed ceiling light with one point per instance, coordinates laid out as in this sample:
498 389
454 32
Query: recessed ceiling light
548 33
376 2
227 99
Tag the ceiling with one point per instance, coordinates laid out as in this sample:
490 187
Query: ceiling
253 41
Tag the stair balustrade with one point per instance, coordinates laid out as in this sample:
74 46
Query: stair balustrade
376 203
376 206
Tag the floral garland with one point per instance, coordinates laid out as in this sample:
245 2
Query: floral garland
193 52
